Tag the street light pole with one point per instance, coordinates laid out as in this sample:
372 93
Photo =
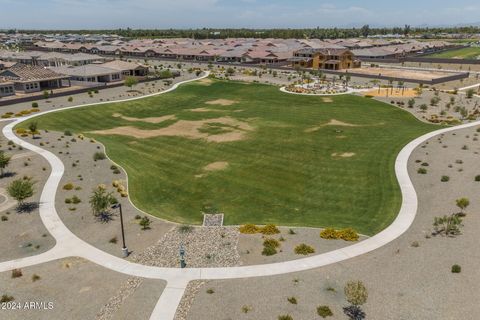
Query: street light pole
124 248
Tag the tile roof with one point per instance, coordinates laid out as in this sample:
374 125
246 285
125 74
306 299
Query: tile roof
23 72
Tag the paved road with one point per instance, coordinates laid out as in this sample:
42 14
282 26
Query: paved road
68 244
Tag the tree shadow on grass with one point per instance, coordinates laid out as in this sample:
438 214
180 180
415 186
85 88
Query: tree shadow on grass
27 207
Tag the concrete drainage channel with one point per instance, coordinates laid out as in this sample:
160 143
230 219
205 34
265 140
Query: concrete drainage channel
69 245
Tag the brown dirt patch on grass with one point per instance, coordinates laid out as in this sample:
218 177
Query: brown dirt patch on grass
148 120
203 110
332 122
214 166
205 81
238 130
222 102
343 155
327 100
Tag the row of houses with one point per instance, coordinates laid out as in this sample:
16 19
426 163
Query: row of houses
28 78
258 51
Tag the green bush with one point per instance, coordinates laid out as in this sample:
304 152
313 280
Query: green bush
269 251
456 268
67 133
6 298
304 249
70 99
422 171
99 156
477 178
324 311
356 293
292 300
445 179
68 186
285 317
34 104
76 200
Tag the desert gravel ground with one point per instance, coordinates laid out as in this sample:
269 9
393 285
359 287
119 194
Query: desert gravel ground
404 281
23 234
77 289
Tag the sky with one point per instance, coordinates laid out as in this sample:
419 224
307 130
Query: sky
161 14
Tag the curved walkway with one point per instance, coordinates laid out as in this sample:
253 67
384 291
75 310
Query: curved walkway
68 244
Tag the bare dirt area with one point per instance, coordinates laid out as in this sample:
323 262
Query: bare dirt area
235 130
343 155
332 122
222 102
395 93
410 278
404 73
147 120
205 82
23 233
76 289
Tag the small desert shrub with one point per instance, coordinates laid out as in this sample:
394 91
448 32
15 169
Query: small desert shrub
329 233
76 200
415 244
477 178
348 234
246 309
285 317
113 240
445 179
422 171
185 228
138 217
210 291
456 268
99 156
68 200
113 167
356 293
270 229
4 218
35 277
70 99
292 300
68 186
145 223
304 249
249 229
6 298
291 231
116 171
271 243
324 311
34 104
269 251
67 133
17 273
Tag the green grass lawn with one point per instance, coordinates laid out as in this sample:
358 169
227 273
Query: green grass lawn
279 174
464 53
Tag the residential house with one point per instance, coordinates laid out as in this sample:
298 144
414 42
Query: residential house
29 78
328 59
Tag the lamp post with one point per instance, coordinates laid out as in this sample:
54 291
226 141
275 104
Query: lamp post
124 248
182 257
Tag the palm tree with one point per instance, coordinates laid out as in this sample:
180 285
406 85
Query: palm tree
4 162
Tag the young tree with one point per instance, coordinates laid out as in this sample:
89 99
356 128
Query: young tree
20 190
411 103
101 202
145 223
4 162
462 203
130 82
33 126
